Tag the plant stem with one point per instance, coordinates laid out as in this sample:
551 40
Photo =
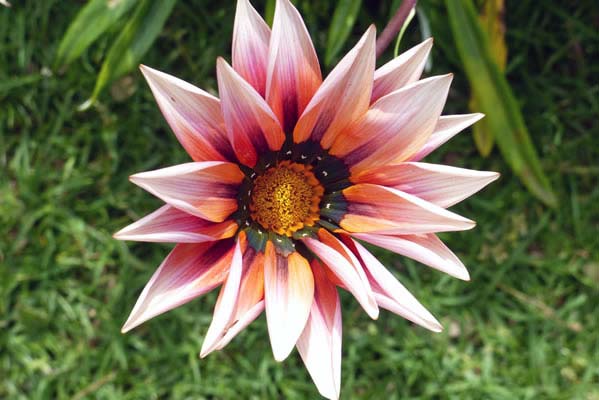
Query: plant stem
394 26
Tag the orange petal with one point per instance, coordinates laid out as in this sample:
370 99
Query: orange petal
395 127
205 189
169 224
379 209
252 127
293 73
250 302
193 114
288 293
225 304
401 71
343 97
189 271
251 36
320 343
438 184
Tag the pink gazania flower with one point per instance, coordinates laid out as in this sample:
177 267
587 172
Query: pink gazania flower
290 174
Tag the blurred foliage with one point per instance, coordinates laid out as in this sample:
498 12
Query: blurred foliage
524 328
136 36
491 20
341 26
496 100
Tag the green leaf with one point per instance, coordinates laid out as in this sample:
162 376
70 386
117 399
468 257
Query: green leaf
496 100
343 21
95 18
491 20
136 38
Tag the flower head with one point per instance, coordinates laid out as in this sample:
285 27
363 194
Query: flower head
289 174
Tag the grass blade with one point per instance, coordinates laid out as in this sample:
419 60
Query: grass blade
496 100
95 18
136 38
343 21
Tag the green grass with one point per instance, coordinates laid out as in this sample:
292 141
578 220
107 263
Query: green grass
526 327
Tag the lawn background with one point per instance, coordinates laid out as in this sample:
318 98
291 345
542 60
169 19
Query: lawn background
525 327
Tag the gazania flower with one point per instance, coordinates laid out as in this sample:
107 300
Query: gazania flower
290 174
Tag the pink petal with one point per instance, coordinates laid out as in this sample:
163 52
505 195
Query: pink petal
193 114
250 302
225 304
439 184
293 73
252 127
401 71
189 271
379 209
205 189
426 248
169 224
395 127
343 97
239 324
447 127
390 293
288 293
251 36
346 267
320 342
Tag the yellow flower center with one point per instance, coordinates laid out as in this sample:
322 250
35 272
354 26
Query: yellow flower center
286 198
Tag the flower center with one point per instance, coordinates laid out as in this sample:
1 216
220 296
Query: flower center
286 198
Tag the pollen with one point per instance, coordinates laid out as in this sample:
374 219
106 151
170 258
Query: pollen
286 198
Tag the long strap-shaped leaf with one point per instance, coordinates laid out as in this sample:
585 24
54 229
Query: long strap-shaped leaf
94 19
135 39
497 100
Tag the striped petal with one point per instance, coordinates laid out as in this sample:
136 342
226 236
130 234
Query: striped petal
395 127
447 127
389 292
320 343
251 36
401 71
439 184
346 267
379 209
169 224
288 293
189 271
193 114
250 302
225 304
293 73
343 97
205 189
252 127
426 248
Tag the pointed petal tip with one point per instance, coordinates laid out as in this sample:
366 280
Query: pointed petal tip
279 355
127 326
461 274
435 327
204 352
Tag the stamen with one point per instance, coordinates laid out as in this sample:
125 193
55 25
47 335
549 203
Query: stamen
286 198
